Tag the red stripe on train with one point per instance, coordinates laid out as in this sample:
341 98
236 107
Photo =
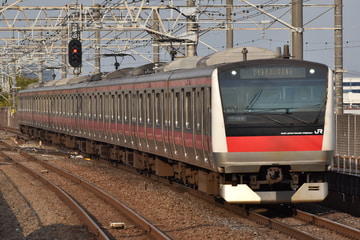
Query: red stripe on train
275 143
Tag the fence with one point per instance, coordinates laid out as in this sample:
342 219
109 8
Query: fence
347 154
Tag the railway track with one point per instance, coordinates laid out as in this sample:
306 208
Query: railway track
38 169
341 229
303 230
282 224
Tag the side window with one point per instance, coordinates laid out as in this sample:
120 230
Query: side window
199 108
106 106
94 106
159 105
157 108
149 108
119 108
188 109
126 107
178 109
141 108
100 107
113 107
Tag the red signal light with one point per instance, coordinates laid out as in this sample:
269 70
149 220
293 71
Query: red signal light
75 53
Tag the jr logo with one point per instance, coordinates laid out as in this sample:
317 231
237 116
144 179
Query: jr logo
318 131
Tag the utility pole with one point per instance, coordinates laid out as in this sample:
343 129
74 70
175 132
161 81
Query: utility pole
156 48
191 28
97 40
297 33
338 26
230 31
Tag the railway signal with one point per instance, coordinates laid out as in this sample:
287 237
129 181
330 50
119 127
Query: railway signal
75 53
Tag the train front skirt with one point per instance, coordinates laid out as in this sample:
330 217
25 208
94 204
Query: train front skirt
242 193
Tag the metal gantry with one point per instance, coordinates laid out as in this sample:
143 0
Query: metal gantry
36 37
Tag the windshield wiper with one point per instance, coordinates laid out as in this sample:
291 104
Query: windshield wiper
253 100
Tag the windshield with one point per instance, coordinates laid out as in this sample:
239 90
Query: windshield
269 98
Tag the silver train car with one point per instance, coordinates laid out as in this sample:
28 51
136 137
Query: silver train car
251 132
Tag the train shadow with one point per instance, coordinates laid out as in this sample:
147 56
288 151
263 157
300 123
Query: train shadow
10 227
61 231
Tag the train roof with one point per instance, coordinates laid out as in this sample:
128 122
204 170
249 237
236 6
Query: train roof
179 67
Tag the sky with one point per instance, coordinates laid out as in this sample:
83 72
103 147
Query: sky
318 44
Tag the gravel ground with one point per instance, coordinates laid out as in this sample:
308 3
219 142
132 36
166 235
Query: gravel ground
33 213
28 210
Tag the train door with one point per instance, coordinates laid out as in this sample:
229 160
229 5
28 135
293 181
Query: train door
206 123
87 115
112 120
80 112
142 141
176 123
150 126
127 118
106 121
120 133
134 127
63 112
159 123
92 119
200 120
166 123
189 133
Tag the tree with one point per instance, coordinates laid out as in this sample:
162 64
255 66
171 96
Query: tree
21 83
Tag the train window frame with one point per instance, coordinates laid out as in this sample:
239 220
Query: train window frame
94 106
178 108
112 105
134 110
188 109
106 106
119 107
149 108
100 106
157 108
141 107
126 107
199 106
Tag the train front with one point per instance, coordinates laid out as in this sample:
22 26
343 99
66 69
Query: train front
273 130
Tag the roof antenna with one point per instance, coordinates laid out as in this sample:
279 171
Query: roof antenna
286 54
245 52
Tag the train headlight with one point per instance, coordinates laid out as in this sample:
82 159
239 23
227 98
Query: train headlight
312 71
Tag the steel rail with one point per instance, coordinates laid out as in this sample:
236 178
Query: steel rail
151 229
282 227
67 199
328 224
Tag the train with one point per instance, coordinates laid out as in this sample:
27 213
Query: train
244 124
